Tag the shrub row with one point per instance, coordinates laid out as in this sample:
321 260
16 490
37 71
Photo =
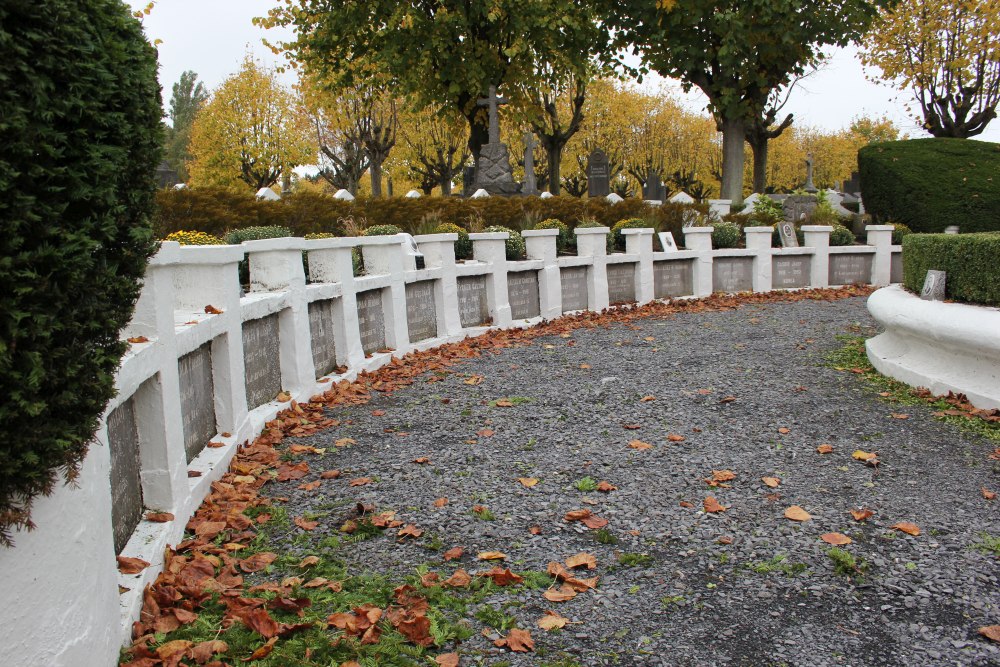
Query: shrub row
970 260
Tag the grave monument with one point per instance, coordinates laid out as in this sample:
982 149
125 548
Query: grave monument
493 172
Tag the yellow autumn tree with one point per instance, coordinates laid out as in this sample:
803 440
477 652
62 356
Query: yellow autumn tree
433 150
947 52
249 133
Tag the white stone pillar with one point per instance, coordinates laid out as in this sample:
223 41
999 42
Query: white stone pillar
276 266
759 240
699 239
331 261
592 242
817 237
541 244
880 236
439 253
640 242
491 248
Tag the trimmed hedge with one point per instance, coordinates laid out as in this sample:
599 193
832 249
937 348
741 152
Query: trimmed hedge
972 262
928 184
80 133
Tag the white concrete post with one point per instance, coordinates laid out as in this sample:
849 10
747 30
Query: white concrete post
491 248
640 242
276 266
699 239
880 236
383 257
439 253
541 244
592 242
331 261
759 240
209 275
817 237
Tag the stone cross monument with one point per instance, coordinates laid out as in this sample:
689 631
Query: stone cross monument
493 103
530 185
809 187
493 172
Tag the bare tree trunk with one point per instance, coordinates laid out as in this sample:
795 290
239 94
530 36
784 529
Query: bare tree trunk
555 167
376 173
446 185
733 138
759 148
479 134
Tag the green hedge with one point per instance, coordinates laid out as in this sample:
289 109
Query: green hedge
216 211
972 262
928 184
80 137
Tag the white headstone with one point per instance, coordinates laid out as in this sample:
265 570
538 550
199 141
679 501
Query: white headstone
934 286
750 201
546 195
413 194
667 241
951 229
682 198
480 194
654 202
614 198
268 194
344 195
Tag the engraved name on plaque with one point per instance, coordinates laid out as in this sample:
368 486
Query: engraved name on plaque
675 278
371 321
126 484
850 269
522 292
621 283
789 272
574 288
261 360
473 307
421 313
324 350
197 399
732 274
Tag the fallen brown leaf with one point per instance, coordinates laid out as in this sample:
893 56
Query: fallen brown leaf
861 514
771 481
836 539
127 565
907 527
712 505
552 621
824 449
796 513
639 444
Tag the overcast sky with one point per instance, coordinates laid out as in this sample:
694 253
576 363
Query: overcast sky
211 37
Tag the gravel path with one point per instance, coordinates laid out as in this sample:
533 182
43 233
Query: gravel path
681 586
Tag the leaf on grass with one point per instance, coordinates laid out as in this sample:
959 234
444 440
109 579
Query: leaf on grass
503 576
453 553
308 561
836 539
528 481
824 449
260 622
552 621
907 527
203 652
263 651
772 482
304 523
460 579
712 505
796 513
257 562
640 445
128 565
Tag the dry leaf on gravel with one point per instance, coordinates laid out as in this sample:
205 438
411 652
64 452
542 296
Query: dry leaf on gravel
453 553
562 594
440 502
796 513
606 487
447 660
824 449
836 539
771 481
674 437
528 481
519 641
907 527
989 495
552 621
640 445
491 555
991 632
582 559
712 505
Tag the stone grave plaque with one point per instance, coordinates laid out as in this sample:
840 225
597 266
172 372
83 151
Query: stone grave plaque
934 283
126 485
522 292
371 321
896 268
675 278
621 283
786 231
421 313
197 399
850 269
598 174
473 307
574 288
792 271
261 360
732 274
324 346
667 241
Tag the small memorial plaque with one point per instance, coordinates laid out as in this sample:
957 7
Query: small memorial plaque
261 360
473 307
197 399
324 346
522 292
126 484
850 269
674 278
574 288
934 284
790 272
896 268
421 313
667 241
621 283
786 230
371 321
732 274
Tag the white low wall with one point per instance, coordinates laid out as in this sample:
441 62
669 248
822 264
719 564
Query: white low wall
941 346
189 385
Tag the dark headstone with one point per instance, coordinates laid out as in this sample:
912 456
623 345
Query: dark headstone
261 360
852 185
598 174
574 288
621 283
473 307
522 293
934 284
421 313
324 350
798 207
809 186
673 278
371 321
732 274
791 271
166 177
851 269
493 172
786 230
468 181
197 399
652 189
126 484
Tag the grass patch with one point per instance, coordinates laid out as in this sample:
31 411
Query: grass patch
635 560
845 563
988 544
586 484
778 563
483 513
605 536
510 401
